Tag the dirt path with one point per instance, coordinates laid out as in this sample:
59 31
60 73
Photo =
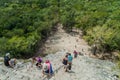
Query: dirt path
66 41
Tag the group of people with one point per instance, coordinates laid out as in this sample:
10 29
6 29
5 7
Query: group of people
8 61
67 61
46 65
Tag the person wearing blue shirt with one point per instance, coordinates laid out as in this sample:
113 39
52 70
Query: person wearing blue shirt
70 58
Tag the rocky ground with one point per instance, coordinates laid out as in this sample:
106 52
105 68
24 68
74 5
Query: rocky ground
84 67
67 41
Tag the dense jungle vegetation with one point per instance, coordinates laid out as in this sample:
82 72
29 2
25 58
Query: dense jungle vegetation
24 23
99 20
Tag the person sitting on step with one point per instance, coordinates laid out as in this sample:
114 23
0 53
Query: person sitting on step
7 59
38 61
12 63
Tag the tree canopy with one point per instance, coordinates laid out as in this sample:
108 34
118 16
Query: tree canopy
23 23
98 19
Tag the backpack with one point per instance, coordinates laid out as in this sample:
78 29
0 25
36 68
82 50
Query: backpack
64 61
51 70
6 60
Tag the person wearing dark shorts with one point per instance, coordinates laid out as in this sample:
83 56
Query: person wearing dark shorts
65 62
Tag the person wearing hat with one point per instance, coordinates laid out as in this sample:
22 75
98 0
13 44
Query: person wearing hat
7 59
